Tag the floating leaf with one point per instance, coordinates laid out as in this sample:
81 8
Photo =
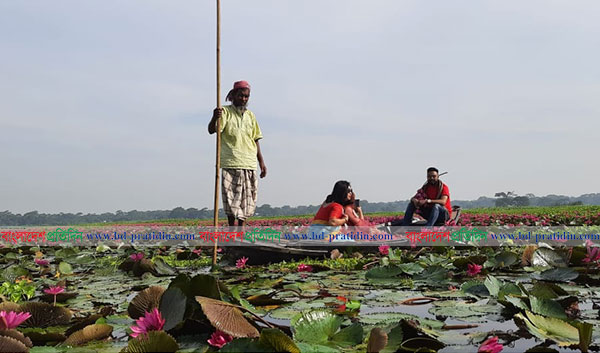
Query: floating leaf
9 344
172 306
475 288
384 272
306 347
264 300
279 341
153 341
561 274
18 336
411 268
546 257
493 285
65 268
44 314
163 269
349 336
506 259
316 326
227 318
145 301
550 328
547 290
422 344
395 337
89 333
509 289
514 301
547 307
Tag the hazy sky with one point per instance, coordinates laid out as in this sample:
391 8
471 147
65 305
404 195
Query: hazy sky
105 104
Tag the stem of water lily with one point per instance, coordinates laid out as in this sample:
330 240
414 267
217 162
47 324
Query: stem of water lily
54 299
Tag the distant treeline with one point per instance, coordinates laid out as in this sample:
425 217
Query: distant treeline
501 200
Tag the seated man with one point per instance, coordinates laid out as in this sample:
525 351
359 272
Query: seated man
432 201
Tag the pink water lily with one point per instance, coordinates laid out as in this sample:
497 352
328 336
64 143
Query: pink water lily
54 290
10 320
41 262
593 254
305 268
137 257
197 251
384 249
490 345
219 339
151 321
473 269
241 263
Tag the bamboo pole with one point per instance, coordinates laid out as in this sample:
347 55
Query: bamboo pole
218 158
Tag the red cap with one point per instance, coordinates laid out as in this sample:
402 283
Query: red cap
241 84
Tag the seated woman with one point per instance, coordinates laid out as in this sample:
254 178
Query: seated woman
355 213
330 216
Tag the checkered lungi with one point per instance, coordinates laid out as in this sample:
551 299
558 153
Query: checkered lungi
239 191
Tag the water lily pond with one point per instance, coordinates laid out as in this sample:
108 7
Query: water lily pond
398 299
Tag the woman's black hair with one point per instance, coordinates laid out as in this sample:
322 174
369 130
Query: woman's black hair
339 193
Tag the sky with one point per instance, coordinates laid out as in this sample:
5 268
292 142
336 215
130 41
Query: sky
105 104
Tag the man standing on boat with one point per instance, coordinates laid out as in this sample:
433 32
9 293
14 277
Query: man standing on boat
239 152
432 201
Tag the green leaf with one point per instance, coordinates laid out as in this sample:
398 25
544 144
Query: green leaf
547 290
509 288
561 274
278 341
475 288
548 258
65 268
506 259
315 326
515 301
162 268
172 307
585 334
384 272
153 341
349 336
547 307
557 330
395 339
311 348
411 268
493 285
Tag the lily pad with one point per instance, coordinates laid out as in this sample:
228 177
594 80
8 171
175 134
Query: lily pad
279 341
557 330
548 258
317 326
561 274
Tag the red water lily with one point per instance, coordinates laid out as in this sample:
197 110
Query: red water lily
305 268
384 249
197 251
490 345
41 262
593 253
473 269
219 339
151 321
54 290
10 320
241 263
137 257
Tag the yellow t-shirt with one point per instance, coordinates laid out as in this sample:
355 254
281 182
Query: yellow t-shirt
238 135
